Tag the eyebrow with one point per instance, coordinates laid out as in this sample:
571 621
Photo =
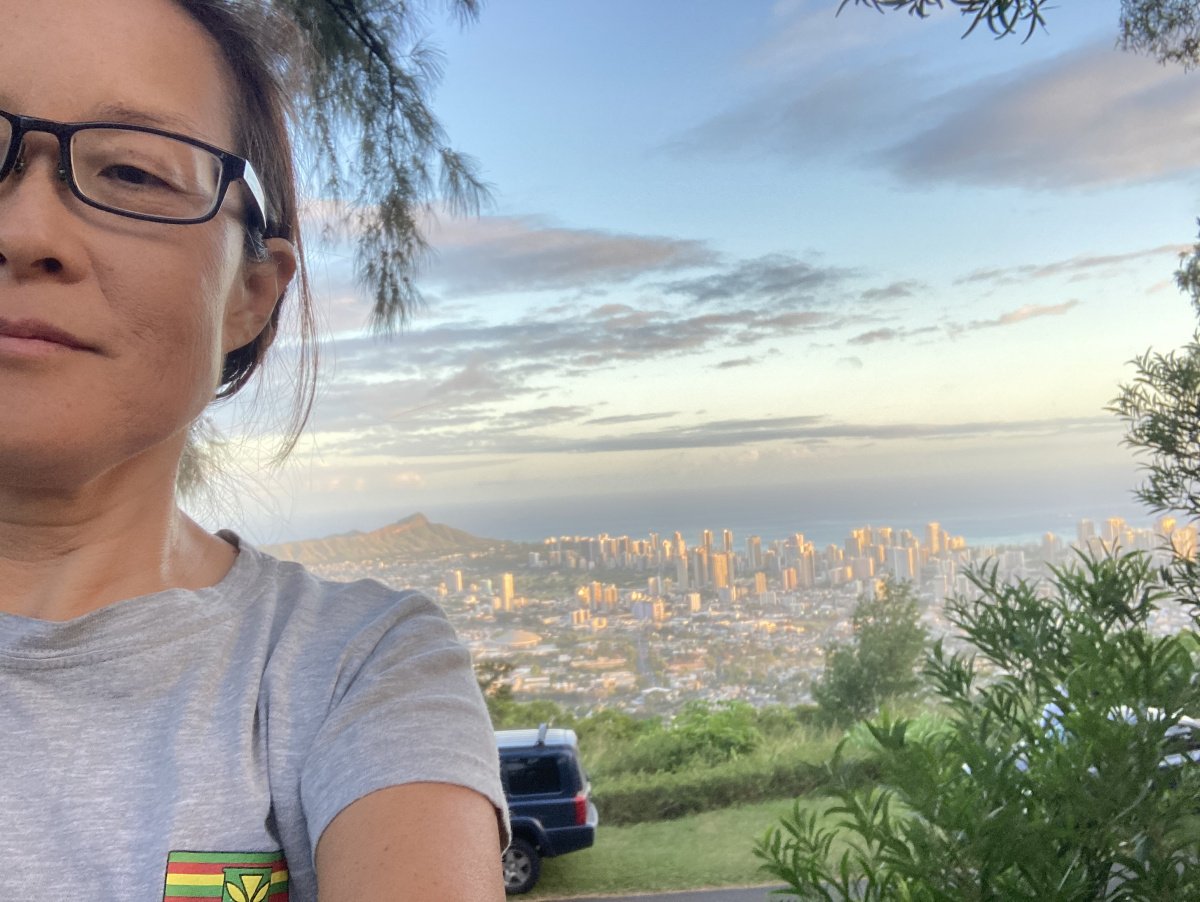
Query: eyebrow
119 112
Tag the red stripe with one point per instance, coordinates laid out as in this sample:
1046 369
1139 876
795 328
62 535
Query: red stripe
276 896
216 867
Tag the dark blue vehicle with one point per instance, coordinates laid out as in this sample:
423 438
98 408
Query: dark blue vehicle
548 801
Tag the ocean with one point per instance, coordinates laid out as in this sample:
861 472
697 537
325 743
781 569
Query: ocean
773 515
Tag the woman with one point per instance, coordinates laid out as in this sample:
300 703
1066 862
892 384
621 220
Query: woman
183 717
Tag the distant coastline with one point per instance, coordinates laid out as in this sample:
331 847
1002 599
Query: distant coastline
541 519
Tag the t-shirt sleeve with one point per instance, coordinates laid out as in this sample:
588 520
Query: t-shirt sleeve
405 708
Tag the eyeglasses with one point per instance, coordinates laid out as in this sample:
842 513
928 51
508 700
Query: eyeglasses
137 171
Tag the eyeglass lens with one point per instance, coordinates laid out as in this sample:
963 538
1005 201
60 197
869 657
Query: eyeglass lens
140 172
145 173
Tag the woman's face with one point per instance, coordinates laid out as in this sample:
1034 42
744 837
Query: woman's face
112 330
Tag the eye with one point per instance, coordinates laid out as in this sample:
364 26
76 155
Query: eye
127 174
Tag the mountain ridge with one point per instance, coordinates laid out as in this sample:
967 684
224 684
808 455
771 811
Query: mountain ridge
415 536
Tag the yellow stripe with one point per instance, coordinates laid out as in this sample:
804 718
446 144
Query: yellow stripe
195 879
214 879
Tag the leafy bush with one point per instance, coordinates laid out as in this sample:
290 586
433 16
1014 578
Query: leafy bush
1046 781
508 714
879 663
637 798
700 735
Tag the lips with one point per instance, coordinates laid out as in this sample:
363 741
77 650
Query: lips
35 330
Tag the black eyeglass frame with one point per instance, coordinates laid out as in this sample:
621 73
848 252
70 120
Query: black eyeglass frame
233 167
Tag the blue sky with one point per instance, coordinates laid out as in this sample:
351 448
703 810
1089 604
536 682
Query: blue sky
758 246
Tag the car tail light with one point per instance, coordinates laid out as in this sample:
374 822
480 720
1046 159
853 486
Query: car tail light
581 800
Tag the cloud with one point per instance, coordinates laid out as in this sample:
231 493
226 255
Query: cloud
1008 318
837 111
895 291
1091 117
1012 317
875 336
775 278
1075 267
737 362
629 418
740 432
495 254
494 435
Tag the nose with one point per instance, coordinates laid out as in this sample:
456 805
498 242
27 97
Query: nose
36 233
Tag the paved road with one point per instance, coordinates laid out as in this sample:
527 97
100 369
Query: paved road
753 894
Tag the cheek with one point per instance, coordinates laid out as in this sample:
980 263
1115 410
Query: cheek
171 318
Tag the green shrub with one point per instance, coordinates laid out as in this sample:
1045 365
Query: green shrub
640 797
1045 781
700 735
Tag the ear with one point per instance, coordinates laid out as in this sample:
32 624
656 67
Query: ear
263 283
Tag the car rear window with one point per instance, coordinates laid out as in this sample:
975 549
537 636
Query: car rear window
532 775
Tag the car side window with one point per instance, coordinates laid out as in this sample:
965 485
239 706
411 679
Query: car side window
532 775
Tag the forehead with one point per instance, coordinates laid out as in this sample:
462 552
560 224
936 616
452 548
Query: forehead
75 60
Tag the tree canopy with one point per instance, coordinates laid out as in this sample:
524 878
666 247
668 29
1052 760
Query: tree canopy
880 660
381 153
1168 30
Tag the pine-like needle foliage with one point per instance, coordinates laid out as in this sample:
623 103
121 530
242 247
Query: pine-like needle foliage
378 146
1000 17
1168 30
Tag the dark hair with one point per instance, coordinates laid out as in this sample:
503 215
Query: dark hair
261 50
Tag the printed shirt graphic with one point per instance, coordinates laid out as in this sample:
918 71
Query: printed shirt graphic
228 876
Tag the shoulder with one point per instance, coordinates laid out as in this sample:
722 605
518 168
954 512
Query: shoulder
309 610
374 687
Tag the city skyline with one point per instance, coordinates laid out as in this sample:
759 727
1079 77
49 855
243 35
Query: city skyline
651 623
851 263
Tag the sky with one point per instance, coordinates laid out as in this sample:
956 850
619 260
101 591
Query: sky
758 264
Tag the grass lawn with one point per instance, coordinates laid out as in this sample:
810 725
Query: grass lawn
710 849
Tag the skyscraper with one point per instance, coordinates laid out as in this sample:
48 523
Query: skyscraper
720 570
754 555
933 537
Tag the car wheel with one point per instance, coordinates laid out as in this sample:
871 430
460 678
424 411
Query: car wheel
522 865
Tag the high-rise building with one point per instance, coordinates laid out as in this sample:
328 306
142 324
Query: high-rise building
727 541
507 590
854 544
454 581
862 568
1084 533
806 567
901 563
681 572
1050 547
760 583
933 537
754 553
1113 531
700 560
720 570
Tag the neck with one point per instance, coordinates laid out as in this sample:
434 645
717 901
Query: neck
65 553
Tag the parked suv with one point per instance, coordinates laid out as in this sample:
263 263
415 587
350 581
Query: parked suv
548 800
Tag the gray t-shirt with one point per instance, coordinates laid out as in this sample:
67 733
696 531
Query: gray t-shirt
196 743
